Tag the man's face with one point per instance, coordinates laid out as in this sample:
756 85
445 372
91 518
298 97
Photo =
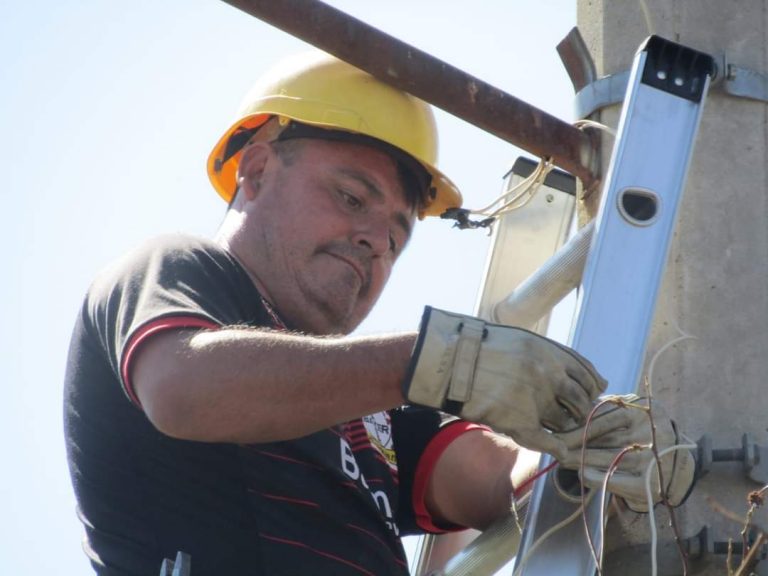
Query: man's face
322 230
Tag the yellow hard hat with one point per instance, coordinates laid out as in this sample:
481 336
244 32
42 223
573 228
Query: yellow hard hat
319 90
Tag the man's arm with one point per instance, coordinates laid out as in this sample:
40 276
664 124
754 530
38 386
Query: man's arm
251 385
474 478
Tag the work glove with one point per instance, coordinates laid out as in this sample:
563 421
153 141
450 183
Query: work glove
620 424
515 381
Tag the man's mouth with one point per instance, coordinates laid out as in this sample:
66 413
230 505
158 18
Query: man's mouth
353 263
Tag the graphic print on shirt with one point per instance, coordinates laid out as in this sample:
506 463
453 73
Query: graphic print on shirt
356 438
379 428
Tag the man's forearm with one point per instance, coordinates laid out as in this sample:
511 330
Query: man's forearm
248 385
474 479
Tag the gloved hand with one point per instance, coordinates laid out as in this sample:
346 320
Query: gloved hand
615 427
517 382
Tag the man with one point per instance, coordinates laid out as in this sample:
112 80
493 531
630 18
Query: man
214 405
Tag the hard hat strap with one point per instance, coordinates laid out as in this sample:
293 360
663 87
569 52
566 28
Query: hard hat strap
254 129
236 142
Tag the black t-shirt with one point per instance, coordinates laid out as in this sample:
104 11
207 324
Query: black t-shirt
335 502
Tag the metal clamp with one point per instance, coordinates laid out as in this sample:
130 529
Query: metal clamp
601 93
743 82
593 94
729 78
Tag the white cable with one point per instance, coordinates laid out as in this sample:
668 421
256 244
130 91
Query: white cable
523 184
529 185
647 16
648 491
649 500
603 509
652 364
690 446
586 123
544 168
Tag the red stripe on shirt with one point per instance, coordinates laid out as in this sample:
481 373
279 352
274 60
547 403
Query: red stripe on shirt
287 499
284 458
316 551
145 333
426 466
359 445
375 537
358 438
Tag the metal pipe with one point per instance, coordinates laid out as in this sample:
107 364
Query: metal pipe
412 70
488 553
538 294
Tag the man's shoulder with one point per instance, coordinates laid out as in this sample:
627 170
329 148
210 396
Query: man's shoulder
163 250
176 246
173 268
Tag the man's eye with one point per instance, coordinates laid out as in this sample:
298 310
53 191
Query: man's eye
350 199
392 245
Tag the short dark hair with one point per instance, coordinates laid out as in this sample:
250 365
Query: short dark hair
286 150
413 177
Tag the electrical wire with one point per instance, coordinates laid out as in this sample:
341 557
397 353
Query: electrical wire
523 192
586 123
690 445
598 558
582 487
520 490
649 500
603 495
621 402
506 202
647 16
659 352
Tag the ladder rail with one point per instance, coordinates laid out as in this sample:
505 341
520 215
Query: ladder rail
633 230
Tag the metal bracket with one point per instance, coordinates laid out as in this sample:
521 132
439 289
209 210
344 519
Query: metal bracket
729 78
743 82
593 94
749 454
601 93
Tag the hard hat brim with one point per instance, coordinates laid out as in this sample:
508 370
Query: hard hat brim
222 170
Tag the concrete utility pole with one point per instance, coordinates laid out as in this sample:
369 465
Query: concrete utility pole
716 282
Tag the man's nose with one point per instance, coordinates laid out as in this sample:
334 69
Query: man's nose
373 234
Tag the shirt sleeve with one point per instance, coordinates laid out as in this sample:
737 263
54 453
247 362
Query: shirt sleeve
420 437
171 282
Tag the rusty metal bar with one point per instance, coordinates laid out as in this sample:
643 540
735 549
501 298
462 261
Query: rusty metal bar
434 81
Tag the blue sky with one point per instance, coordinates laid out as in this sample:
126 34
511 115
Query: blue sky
107 113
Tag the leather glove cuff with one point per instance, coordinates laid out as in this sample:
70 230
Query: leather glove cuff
443 361
517 382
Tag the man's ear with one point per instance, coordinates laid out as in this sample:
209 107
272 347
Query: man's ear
251 167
